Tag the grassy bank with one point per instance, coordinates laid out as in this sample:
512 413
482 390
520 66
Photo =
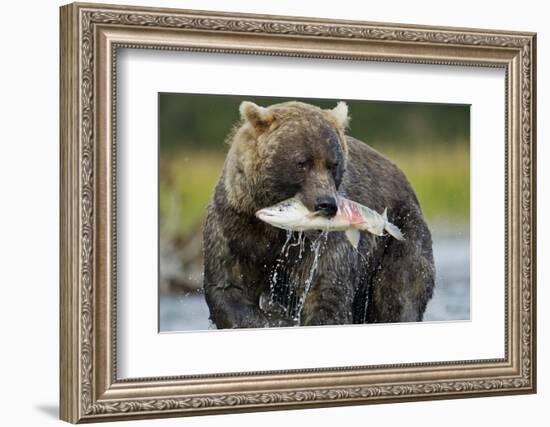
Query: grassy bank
186 184
441 180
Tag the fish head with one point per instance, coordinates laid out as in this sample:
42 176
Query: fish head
287 214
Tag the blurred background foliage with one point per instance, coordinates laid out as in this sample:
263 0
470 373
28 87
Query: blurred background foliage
429 142
203 121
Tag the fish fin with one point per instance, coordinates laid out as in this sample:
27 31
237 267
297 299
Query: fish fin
385 214
353 236
394 231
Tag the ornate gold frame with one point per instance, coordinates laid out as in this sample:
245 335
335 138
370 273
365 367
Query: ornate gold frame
90 36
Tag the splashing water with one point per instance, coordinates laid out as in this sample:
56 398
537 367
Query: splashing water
315 250
276 268
293 245
293 240
302 246
289 303
366 304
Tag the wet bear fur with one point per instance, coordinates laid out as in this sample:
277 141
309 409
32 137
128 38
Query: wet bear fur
296 149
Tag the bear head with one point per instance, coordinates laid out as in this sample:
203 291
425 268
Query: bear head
286 150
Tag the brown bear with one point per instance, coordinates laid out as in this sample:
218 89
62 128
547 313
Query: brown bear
256 275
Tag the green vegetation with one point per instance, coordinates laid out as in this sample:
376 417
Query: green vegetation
203 121
441 180
187 181
429 142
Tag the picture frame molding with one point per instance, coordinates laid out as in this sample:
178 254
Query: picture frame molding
89 38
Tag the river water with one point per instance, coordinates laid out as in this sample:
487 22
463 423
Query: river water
450 302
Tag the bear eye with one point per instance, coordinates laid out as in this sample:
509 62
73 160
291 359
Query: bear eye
332 166
301 165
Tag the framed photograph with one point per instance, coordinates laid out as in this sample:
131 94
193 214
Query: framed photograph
267 212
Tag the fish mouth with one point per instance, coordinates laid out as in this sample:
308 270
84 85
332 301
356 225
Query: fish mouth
264 213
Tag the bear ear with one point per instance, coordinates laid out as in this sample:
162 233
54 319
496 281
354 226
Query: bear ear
259 117
339 114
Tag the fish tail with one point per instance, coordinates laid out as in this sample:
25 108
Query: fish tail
393 230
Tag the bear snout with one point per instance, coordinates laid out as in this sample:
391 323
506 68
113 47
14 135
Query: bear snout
326 205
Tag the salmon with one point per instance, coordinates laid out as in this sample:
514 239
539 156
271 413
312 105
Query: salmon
351 217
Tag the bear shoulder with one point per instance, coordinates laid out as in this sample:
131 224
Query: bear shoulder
375 180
